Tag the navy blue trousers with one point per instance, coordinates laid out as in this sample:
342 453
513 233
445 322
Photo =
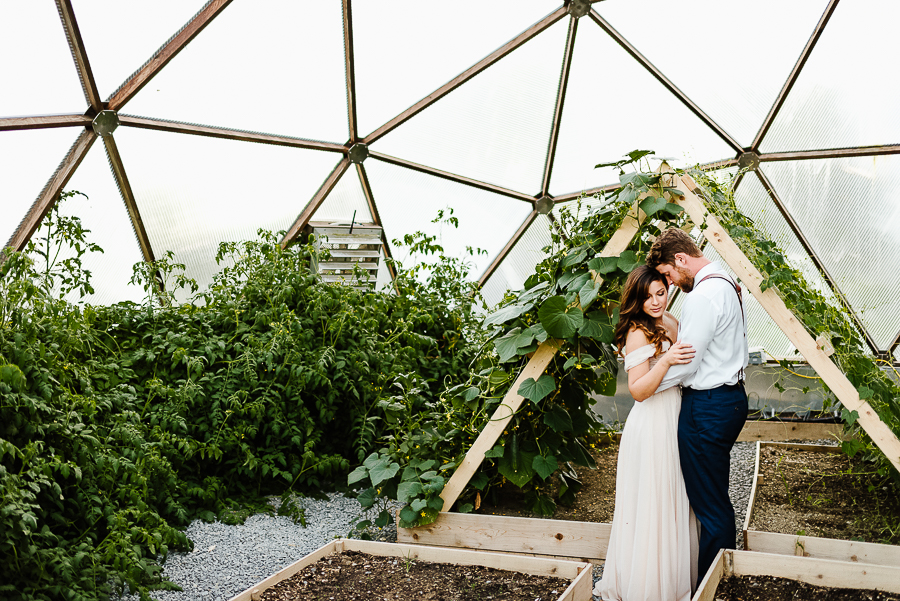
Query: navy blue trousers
708 427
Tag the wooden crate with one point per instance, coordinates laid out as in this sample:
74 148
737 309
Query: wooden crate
812 546
579 573
819 572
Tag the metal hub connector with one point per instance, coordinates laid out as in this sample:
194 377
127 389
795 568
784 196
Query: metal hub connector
579 8
544 205
358 152
105 123
748 160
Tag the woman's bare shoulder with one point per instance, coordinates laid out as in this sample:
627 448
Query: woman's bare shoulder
635 339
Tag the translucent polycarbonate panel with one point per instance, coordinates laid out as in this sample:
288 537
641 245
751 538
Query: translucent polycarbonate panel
744 52
755 202
345 200
408 201
613 106
274 66
579 208
495 127
121 36
848 211
519 263
845 95
404 50
103 212
38 74
28 159
194 192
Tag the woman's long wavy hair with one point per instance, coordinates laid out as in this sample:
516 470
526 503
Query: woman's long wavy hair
631 309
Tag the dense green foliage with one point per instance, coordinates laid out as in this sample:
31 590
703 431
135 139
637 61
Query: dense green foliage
550 430
119 424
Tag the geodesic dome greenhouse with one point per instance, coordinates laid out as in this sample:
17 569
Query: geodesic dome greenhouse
188 123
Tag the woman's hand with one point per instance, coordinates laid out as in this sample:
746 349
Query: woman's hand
679 353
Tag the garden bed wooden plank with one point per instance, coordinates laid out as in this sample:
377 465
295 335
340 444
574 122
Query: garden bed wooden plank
579 573
818 572
586 541
811 546
751 278
781 431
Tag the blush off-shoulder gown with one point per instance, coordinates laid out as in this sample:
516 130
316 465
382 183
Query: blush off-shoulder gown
653 543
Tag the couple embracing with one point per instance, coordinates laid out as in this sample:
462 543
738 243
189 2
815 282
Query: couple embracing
673 512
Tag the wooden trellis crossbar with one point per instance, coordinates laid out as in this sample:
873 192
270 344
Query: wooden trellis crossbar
617 244
751 279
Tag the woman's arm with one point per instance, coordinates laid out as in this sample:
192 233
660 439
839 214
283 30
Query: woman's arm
643 381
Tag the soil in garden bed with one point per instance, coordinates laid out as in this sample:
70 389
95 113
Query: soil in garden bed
824 494
351 576
770 588
595 502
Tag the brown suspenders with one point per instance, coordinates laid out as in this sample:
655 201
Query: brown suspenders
737 289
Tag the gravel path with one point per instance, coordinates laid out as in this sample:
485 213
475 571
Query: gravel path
229 559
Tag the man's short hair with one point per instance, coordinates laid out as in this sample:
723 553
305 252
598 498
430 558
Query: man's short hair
668 244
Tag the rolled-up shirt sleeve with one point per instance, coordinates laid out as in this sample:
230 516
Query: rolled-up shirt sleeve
697 329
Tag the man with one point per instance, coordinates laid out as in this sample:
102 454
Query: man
714 404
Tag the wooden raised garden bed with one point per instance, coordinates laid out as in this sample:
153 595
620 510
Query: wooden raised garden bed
565 538
578 574
816 572
802 538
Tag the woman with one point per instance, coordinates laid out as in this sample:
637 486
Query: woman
650 550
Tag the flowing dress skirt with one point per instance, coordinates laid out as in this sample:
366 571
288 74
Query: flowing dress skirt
650 547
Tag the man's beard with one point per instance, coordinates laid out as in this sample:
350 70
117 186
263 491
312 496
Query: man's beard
686 280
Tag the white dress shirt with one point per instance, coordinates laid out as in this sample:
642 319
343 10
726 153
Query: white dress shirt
711 321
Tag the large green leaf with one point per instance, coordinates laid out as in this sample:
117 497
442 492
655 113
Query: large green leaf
558 319
522 473
383 471
495 452
508 345
588 293
358 474
604 264
576 256
590 329
628 261
673 209
525 338
652 205
544 466
540 334
506 313
408 491
558 419
535 391
366 498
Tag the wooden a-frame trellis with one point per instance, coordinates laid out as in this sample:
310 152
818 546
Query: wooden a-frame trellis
751 279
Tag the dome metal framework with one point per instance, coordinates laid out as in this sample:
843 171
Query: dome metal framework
772 109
